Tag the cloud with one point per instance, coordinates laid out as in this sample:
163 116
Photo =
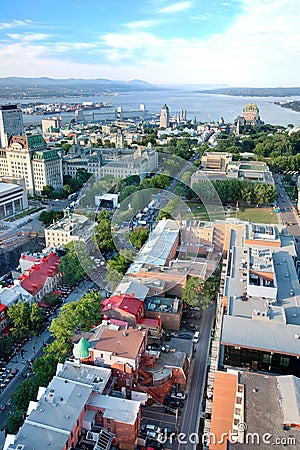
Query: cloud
15 24
147 23
28 37
63 47
175 7
201 17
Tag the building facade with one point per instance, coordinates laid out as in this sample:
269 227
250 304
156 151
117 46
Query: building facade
11 123
164 121
13 196
28 157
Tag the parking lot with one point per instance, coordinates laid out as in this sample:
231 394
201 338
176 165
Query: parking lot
156 415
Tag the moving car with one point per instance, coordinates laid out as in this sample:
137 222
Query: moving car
196 337
178 396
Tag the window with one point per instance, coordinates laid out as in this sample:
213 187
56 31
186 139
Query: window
284 361
267 358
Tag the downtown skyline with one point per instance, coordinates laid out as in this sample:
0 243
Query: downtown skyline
236 42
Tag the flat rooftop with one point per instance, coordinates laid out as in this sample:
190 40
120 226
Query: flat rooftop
96 377
263 292
119 409
157 248
263 412
162 304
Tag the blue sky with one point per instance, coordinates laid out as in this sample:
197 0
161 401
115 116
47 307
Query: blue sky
238 42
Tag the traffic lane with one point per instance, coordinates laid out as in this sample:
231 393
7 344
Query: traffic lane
189 420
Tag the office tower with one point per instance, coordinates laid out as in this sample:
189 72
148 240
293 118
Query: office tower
164 117
11 123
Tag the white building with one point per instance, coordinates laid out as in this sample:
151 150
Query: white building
72 227
28 157
13 196
11 123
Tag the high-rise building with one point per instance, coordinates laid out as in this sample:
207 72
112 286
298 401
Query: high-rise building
28 157
11 123
164 121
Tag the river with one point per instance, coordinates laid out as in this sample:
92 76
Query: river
203 107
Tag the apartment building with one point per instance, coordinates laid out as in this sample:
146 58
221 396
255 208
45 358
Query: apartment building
216 161
11 123
28 157
72 227
260 327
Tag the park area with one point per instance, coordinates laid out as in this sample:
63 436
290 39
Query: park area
250 214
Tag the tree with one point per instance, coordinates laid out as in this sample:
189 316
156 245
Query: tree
14 421
102 233
36 318
82 315
70 266
192 291
20 317
138 237
48 217
47 191
6 346
24 393
44 368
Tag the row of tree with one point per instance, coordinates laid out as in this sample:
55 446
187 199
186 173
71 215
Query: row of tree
231 191
74 317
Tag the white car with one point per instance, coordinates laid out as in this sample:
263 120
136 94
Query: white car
178 396
196 337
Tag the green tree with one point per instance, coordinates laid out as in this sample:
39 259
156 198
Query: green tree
48 217
47 191
138 237
36 318
20 317
6 346
24 393
70 266
44 368
192 291
14 421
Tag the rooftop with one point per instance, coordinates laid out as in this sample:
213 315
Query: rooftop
96 377
264 415
125 343
157 248
263 291
118 409
34 279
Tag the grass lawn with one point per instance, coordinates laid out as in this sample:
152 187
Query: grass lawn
257 215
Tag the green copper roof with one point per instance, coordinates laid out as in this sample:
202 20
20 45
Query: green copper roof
81 350
46 155
36 141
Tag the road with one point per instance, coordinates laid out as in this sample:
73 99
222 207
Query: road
32 349
190 419
288 213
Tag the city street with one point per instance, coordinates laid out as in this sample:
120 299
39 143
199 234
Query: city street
288 214
32 349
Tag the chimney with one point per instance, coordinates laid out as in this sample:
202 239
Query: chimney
159 321
132 294
125 308
118 292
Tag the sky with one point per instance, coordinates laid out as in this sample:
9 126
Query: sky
254 43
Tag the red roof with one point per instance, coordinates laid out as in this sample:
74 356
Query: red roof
34 279
2 307
126 302
148 322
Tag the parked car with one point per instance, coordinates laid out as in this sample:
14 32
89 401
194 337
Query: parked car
174 403
185 336
172 411
196 337
178 396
